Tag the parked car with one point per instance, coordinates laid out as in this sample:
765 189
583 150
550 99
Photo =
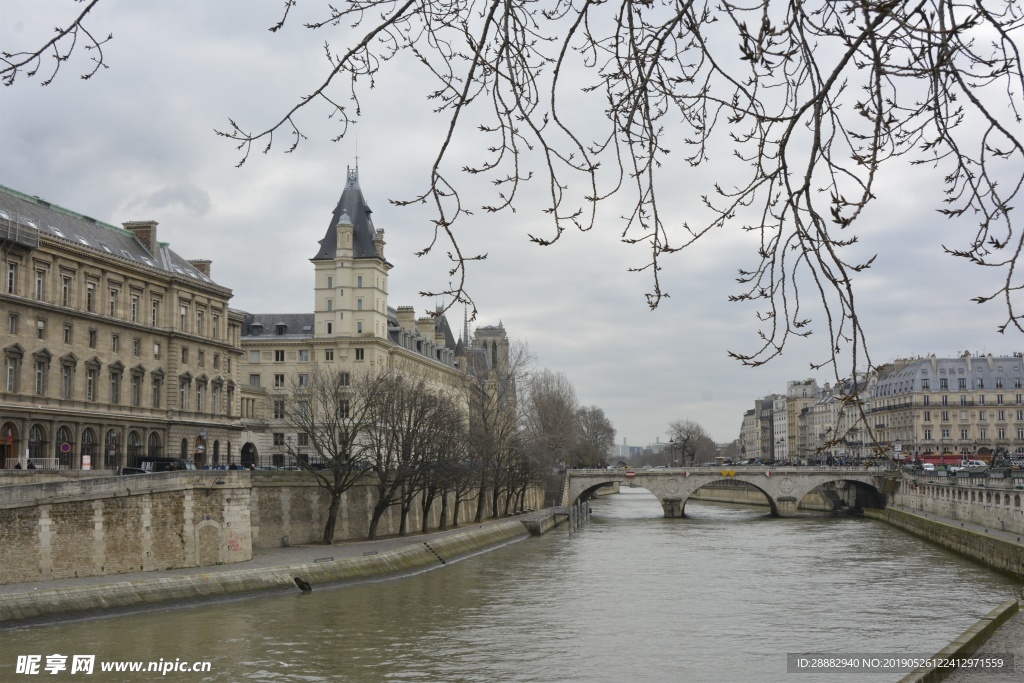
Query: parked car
133 470
928 467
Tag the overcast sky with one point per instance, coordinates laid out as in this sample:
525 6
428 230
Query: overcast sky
136 142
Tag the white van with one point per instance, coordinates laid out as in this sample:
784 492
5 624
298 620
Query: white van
974 463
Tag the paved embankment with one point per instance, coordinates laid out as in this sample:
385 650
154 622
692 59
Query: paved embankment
270 570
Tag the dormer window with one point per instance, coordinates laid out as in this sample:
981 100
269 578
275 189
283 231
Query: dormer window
256 329
281 328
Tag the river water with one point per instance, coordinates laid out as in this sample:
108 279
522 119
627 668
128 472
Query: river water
722 595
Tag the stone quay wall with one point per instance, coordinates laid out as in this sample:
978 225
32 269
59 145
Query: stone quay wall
111 525
41 606
996 553
991 503
70 527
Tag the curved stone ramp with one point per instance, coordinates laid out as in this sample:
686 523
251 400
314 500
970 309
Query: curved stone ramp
18 609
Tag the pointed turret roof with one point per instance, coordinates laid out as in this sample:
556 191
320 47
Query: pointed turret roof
352 208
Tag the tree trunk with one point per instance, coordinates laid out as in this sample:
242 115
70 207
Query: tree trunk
332 518
455 510
378 511
428 502
481 499
443 523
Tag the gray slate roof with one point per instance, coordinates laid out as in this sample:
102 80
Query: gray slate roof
57 223
1004 371
296 325
354 206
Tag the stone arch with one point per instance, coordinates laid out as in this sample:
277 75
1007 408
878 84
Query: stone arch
88 449
134 447
153 447
110 450
208 543
250 456
37 440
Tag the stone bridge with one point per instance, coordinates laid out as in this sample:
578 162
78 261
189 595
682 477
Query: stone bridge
784 487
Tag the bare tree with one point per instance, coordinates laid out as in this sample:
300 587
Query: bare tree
596 437
549 417
813 98
329 417
687 437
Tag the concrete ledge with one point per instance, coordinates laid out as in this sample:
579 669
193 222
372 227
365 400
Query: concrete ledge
993 552
967 644
539 523
52 605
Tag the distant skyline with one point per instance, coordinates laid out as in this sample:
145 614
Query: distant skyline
136 142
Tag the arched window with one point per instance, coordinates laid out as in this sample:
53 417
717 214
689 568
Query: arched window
154 445
110 449
36 442
216 452
134 447
89 446
63 448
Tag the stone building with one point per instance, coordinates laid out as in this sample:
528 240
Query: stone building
971 405
114 346
352 329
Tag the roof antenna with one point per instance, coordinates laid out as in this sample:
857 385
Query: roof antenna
465 323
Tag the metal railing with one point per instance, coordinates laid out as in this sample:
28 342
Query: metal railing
32 463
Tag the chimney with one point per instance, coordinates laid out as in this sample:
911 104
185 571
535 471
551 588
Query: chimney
145 233
406 316
202 265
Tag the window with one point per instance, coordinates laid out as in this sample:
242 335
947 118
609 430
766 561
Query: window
943 384
945 433
359 304
1020 433
961 383
254 356
201 358
1001 415
278 438
133 311
279 356
927 434
982 416
304 356
254 380
330 304
343 409
65 290
67 376
90 296
982 433
183 321
278 381
184 354
303 439
183 392
945 416
113 302
344 379
216 399
91 375
359 281
359 354
201 397
330 284
945 400
1002 433
40 329
927 400
115 386
963 400
215 326
924 385
39 284
278 410
67 334
12 373
303 380
136 389
927 416
200 322
136 347
216 361
155 312
12 278
158 387
359 327
115 343
156 350
330 328
12 323
40 377
999 399
329 354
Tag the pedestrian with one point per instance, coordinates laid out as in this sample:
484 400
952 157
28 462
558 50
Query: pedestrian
17 465
31 465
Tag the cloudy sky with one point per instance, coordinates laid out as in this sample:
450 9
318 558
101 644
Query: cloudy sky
137 142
